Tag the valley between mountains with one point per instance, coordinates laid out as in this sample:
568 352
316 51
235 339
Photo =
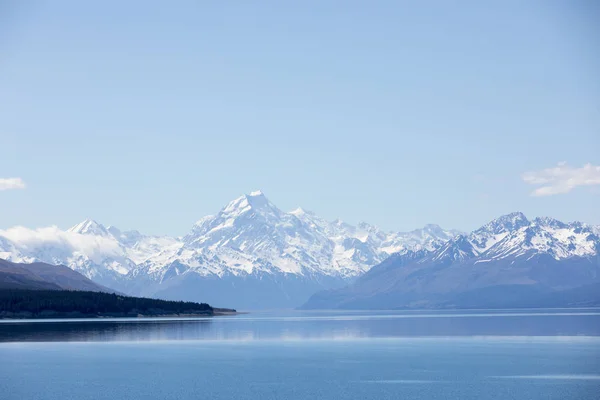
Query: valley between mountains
252 255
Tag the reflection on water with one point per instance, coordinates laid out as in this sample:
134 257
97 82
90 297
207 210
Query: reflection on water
296 325
101 330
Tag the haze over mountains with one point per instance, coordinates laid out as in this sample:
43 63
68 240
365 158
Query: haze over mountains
251 255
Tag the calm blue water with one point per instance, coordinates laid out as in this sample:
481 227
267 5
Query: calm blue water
552 354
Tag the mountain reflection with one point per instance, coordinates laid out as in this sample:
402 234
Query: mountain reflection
101 331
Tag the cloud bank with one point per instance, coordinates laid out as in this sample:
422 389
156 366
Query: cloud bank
52 242
11 183
562 179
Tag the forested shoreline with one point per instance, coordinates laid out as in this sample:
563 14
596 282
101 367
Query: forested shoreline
84 304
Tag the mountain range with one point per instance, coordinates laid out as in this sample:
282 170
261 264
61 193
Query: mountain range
250 253
253 255
509 262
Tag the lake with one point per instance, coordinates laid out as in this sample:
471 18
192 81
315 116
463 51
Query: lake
500 354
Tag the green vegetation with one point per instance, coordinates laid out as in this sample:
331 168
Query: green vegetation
63 303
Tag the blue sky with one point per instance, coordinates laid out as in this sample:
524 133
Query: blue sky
149 116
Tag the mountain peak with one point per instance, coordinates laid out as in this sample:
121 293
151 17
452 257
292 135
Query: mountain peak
257 199
89 227
433 229
254 201
459 248
256 193
550 222
339 223
366 226
513 216
432 226
298 212
508 222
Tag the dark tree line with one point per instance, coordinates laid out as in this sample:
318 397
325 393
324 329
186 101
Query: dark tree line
92 303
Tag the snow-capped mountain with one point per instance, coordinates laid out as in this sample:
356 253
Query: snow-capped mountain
508 257
252 254
251 235
90 227
291 254
249 239
88 248
514 235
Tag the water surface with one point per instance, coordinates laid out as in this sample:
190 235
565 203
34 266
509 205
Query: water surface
311 325
526 354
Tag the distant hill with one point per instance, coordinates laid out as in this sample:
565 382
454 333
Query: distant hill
70 304
41 276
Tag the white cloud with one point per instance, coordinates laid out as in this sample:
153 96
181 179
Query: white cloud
562 178
11 183
53 242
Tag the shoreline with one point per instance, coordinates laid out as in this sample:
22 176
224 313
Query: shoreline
76 316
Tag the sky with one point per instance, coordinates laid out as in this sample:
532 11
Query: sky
147 115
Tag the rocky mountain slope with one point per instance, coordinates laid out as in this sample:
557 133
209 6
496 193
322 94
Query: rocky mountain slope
508 262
